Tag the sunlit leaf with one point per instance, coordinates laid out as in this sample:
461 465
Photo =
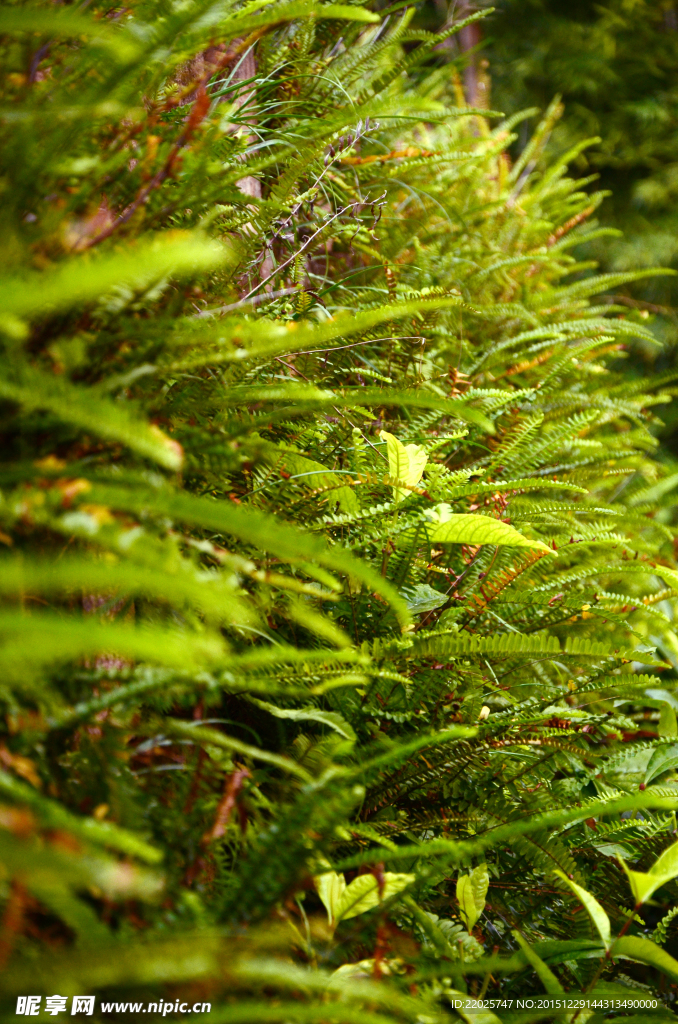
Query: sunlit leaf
466 900
406 463
645 883
465 528
644 951
331 887
363 893
480 883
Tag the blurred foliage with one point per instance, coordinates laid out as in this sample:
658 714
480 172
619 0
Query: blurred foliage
339 589
615 65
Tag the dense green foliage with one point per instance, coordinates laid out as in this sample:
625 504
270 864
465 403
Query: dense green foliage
339 585
615 65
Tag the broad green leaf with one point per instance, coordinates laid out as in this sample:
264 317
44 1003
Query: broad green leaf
480 883
467 902
310 714
424 598
466 528
363 970
646 952
657 694
613 850
667 862
544 973
558 951
440 513
644 883
664 758
667 722
406 463
363 894
593 908
667 704
330 887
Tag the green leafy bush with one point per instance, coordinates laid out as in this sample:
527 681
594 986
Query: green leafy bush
615 66
338 661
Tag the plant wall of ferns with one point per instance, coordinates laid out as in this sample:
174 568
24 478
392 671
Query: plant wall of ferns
338 578
615 67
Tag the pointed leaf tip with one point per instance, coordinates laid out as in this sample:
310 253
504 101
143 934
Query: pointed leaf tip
592 906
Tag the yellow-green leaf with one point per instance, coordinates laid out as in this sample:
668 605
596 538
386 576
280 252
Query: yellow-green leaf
331 887
480 883
646 952
466 528
467 903
667 722
406 463
667 863
645 883
363 894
